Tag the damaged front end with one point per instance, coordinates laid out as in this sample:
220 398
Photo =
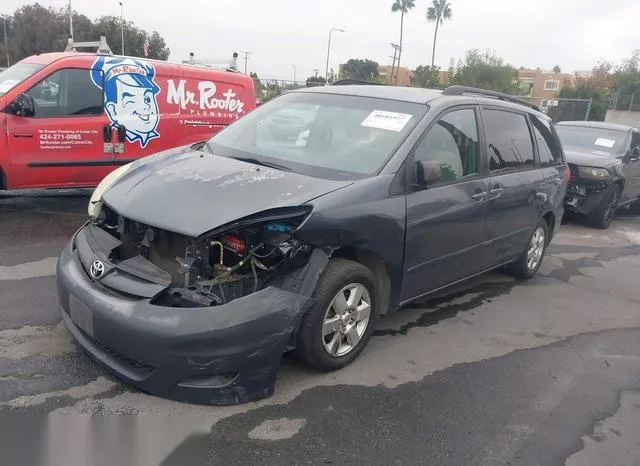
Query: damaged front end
587 188
207 318
215 268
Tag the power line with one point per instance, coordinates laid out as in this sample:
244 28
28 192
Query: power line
246 58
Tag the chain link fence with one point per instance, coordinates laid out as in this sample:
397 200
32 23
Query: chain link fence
626 103
269 88
562 109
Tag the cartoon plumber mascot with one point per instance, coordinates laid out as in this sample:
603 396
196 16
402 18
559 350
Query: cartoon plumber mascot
129 96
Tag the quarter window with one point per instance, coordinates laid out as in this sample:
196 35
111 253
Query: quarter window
509 144
549 148
452 141
67 92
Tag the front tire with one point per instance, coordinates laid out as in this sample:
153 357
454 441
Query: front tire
602 216
337 328
531 259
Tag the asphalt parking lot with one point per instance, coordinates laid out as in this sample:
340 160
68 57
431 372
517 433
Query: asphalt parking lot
539 373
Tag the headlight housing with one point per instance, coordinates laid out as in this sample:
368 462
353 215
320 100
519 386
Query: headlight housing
594 173
95 203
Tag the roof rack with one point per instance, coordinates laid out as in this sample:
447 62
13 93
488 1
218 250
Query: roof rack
462 90
101 45
347 82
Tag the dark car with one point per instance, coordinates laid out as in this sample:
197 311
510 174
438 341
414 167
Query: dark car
604 159
201 266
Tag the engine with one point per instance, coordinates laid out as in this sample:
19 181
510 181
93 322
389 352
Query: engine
238 263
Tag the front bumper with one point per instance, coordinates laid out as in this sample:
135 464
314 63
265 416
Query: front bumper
583 196
220 355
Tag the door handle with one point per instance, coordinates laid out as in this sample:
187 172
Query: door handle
22 135
478 196
494 191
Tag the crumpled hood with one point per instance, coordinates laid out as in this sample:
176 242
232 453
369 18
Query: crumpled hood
590 159
191 192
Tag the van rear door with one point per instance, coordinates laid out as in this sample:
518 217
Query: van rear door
62 144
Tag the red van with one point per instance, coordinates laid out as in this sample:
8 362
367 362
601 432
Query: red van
68 119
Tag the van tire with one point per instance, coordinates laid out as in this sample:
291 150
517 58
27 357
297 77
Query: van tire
312 345
521 269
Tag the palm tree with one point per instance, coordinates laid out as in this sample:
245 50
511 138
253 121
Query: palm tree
438 12
403 6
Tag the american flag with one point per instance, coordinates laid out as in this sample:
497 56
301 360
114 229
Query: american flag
146 47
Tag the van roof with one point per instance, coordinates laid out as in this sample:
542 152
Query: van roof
51 57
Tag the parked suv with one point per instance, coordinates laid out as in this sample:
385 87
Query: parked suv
201 266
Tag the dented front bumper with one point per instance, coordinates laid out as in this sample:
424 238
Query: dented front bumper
583 196
219 355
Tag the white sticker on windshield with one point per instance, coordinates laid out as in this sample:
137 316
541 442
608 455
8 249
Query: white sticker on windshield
605 142
8 84
390 121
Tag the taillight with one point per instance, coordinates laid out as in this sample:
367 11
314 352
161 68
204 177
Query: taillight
567 173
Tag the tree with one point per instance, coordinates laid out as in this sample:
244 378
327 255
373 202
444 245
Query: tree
313 81
362 69
438 12
35 29
426 76
557 69
485 70
403 6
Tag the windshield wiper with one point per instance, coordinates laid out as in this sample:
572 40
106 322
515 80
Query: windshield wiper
255 161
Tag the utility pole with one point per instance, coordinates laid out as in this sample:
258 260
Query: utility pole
70 20
122 25
294 73
6 41
246 58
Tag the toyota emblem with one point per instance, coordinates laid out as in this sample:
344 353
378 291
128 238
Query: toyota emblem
97 269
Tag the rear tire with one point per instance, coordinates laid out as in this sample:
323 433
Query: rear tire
603 215
334 332
530 260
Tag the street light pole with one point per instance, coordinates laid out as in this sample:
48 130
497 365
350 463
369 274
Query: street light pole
6 41
326 73
294 73
122 25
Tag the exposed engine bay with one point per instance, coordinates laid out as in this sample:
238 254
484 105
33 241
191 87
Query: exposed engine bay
215 269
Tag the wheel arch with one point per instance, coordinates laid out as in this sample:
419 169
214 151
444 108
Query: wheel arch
374 263
3 179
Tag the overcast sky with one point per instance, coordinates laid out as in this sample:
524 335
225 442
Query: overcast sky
574 34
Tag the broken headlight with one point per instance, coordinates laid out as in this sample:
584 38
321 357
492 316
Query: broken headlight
95 203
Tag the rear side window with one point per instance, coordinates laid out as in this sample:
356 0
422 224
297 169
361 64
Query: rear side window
635 140
549 148
509 143
67 92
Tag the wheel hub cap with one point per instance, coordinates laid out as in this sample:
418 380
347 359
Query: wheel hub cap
536 248
346 319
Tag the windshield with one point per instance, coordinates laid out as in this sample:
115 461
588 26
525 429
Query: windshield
599 140
322 135
14 75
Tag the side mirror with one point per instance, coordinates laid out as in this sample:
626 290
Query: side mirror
428 172
23 106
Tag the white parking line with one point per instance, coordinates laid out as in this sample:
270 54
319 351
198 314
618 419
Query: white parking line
41 268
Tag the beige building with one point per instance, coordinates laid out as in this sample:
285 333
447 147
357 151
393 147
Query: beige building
542 86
